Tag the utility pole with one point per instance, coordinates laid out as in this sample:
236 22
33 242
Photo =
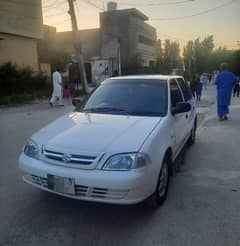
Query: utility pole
77 46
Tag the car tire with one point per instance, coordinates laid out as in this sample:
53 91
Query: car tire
160 193
192 137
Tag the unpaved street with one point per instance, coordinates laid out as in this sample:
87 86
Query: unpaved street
202 206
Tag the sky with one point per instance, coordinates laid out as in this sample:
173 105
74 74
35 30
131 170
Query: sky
169 17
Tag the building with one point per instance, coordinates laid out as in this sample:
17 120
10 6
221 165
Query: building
128 28
45 46
20 28
123 35
90 40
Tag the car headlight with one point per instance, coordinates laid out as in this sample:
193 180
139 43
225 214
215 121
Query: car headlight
31 149
125 162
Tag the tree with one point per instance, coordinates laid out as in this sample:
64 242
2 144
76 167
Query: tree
171 56
219 56
235 64
188 55
197 55
159 68
174 54
207 49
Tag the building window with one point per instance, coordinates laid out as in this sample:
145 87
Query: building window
145 40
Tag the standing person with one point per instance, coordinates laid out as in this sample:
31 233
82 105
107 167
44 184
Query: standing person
236 88
224 82
214 76
199 86
57 88
66 92
193 86
204 80
66 95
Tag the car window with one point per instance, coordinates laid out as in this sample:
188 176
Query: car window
144 97
185 89
176 95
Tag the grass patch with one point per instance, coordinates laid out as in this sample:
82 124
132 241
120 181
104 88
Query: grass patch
14 100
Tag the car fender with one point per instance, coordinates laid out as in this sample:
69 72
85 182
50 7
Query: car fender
156 146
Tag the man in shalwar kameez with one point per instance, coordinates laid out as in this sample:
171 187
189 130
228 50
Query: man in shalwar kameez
224 83
57 88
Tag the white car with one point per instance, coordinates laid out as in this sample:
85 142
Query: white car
118 146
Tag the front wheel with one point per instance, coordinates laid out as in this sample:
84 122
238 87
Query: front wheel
160 194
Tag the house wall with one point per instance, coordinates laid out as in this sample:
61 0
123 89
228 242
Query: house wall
134 34
21 17
21 24
90 40
19 50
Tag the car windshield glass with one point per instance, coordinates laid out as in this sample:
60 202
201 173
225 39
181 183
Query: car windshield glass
145 97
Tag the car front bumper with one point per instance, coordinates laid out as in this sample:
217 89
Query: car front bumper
117 187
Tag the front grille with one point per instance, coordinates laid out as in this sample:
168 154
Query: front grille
83 191
99 192
69 158
37 180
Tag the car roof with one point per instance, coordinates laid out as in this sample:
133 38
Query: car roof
155 76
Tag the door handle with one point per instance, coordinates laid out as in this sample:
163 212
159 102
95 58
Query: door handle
186 116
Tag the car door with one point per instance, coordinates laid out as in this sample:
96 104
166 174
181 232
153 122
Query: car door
187 95
179 120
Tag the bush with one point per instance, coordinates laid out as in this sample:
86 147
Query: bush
16 99
16 80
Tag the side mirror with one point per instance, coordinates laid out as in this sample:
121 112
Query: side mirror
181 108
76 102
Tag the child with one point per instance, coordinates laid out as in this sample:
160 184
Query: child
66 92
66 95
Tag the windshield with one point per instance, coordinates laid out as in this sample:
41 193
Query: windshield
145 97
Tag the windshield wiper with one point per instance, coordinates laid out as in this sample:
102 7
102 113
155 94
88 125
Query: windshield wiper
142 113
104 110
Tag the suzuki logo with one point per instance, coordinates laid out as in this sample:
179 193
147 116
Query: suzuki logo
66 158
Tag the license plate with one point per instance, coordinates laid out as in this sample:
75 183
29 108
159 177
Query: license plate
61 184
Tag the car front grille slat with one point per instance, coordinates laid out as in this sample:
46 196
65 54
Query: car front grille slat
83 191
75 161
54 157
84 157
72 159
37 180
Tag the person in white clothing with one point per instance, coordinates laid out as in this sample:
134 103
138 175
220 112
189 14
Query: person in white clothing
204 80
57 88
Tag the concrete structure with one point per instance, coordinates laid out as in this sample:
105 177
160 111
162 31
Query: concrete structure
123 35
45 46
134 35
20 28
90 40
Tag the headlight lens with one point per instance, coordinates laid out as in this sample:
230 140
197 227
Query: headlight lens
125 162
31 149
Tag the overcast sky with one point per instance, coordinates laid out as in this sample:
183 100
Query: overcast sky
223 22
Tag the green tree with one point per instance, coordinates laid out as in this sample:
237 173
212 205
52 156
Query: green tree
197 55
174 53
235 63
188 56
218 56
171 56
159 68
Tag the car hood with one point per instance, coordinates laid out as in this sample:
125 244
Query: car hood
96 133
